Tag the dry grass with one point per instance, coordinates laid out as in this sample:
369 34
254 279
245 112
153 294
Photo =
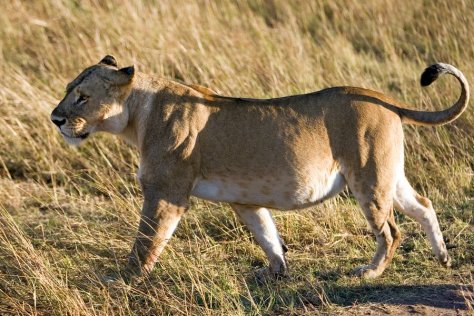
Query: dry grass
68 215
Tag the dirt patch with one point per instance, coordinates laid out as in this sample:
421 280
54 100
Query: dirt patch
407 299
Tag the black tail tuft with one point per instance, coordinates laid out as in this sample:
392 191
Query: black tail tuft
431 74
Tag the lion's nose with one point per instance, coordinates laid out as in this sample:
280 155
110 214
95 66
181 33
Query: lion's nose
58 121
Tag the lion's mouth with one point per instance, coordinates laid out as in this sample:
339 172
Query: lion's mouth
81 136
76 139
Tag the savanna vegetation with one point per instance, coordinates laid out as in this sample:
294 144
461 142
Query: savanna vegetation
68 215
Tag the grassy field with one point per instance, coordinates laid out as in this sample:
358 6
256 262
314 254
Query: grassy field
68 215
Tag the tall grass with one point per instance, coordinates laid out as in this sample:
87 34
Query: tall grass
68 215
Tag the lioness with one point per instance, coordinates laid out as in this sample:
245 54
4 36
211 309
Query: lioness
283 153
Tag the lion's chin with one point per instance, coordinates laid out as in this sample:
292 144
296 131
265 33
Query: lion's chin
75 140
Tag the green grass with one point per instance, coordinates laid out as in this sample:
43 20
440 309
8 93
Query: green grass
68 215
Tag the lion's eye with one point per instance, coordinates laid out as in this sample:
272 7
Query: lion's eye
81 99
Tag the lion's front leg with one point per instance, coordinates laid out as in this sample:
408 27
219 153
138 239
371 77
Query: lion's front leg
159 218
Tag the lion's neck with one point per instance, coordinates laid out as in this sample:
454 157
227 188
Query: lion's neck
146 96
138 105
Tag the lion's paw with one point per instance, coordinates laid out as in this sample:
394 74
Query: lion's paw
366 272
445 260
264 275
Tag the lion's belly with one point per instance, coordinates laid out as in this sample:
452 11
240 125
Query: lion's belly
280 192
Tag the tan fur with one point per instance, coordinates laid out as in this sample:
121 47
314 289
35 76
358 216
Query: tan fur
206 92
284 153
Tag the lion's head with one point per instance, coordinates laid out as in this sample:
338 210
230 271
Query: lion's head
94 101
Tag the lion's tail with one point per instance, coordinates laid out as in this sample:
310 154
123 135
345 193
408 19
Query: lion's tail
438 117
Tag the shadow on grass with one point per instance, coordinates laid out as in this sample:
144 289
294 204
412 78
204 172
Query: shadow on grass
439 296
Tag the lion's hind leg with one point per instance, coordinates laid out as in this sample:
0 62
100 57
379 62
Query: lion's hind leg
260 223
375 196
409 202
382 223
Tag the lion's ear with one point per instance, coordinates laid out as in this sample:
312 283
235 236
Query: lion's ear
123 76
129 71
109 60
